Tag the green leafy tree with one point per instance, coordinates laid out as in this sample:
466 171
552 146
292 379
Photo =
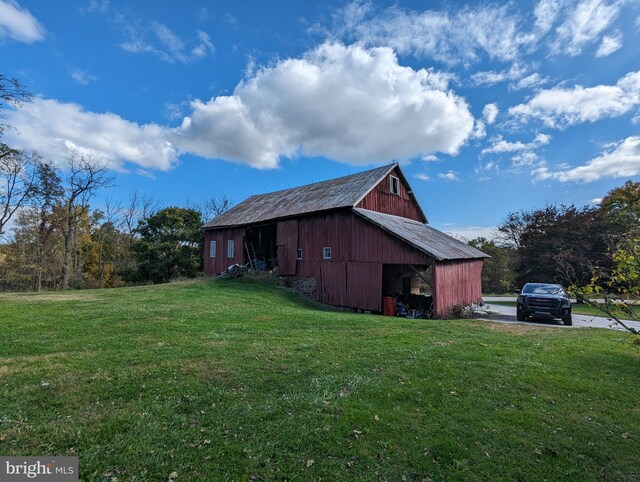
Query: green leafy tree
498 273
563 244
169 245
622 205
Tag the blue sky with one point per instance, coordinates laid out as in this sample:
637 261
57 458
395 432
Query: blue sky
490 107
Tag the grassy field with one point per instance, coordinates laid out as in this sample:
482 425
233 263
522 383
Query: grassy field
237 380
581 309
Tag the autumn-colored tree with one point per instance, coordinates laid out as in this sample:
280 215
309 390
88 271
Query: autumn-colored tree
616 292
84 175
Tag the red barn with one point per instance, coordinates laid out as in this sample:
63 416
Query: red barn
358 238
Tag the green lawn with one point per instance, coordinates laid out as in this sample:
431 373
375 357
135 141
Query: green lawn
237 379
582 309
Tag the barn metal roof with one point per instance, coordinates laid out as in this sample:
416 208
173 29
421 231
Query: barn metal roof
342 192
421 236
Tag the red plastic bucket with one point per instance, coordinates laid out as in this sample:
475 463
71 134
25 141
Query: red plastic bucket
389 306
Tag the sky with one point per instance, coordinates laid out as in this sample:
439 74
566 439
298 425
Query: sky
489 107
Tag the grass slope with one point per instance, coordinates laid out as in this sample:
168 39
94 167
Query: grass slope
221 380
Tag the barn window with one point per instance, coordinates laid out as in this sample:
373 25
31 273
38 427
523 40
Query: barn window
394 184
230 249
212 249
326 252
299 254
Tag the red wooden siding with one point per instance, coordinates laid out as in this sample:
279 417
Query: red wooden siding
364 286
455 283
372 244
382 200
355 285
221 261
351 238
356 244
287 239
332 284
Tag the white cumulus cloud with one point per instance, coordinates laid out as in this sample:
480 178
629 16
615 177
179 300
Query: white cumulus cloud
18 24
348 103
561 107
501 146
449 176
55 129
490 112
623 160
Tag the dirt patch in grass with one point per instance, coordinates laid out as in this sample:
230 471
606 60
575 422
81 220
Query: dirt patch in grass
442 343
14 365
206 370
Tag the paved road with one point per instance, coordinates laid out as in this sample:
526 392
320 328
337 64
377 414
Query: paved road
507 314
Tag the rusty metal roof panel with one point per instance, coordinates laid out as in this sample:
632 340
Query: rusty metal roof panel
436 244
337 193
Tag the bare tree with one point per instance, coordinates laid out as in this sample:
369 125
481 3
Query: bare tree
12 93
215 206
85 175
18 179
140 206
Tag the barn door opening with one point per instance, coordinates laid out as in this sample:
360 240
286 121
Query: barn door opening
261 248
411 286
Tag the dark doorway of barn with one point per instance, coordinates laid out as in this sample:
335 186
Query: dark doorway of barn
261 248
411 287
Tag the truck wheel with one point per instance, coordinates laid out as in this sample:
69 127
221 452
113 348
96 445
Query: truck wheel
519 314
568 321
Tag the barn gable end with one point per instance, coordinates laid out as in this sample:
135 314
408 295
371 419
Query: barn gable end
402 202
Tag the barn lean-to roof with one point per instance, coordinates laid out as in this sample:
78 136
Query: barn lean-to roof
423 237
337 193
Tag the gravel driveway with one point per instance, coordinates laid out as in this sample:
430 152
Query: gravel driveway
507 314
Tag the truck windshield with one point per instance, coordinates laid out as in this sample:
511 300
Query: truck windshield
542 289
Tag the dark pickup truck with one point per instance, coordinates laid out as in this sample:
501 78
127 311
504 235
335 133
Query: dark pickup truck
544 301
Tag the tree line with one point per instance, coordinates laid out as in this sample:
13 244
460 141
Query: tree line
60 240
570 245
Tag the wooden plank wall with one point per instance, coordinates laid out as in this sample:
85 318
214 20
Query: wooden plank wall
455 283
332 284
221 262
353 277
364 286
380 199
287 239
